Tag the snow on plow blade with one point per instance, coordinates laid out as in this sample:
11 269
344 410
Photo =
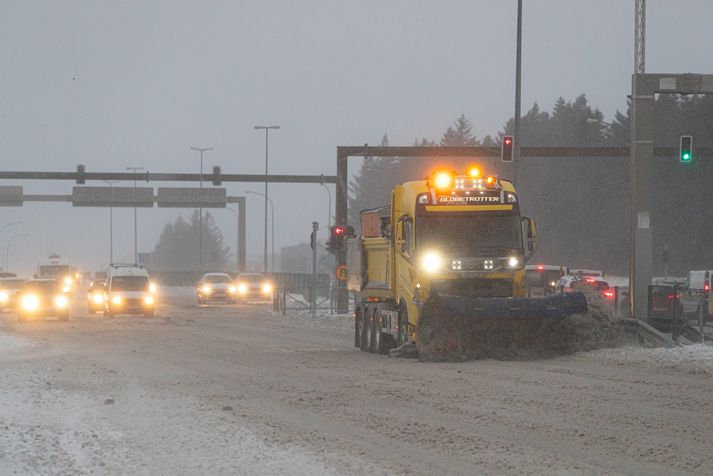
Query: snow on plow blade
462 328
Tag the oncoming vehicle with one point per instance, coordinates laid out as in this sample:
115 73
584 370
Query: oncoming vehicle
55 268
96 295
42 298
9 287
129 291
216 287
447 269
543 278
253 286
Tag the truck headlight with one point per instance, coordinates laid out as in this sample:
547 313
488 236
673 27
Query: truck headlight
153 288
267 288
431 262
4 297
60 302
68 281
231 289
30 302
98 298
116 300
149 300
513 261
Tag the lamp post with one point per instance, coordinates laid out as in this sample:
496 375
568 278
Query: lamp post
7 248
272 213
136 251
111 221
329 225
267 135
200 210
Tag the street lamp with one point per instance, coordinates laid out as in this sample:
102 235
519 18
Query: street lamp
136 252
272 213
111 221
2 228
267 134
7 248
200 210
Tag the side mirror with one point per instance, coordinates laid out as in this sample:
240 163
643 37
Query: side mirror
529 236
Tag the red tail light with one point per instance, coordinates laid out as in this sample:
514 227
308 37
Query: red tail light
540 267
706 287
609 294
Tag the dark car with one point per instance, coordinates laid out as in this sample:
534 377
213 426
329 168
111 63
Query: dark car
96 296
42 297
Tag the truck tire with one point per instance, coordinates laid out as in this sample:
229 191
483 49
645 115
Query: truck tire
369 331
402 338
357 327
376 327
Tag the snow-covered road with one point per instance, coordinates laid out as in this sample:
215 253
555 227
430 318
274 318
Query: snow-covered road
241 390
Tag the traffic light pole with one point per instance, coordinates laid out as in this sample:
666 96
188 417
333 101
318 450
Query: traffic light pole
644 87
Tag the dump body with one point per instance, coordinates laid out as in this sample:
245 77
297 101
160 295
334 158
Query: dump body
466 241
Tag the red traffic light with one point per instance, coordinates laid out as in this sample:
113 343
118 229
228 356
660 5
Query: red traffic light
506 149
338 230
508 141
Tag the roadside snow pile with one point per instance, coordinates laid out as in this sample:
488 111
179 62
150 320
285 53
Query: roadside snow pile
691 359
324 319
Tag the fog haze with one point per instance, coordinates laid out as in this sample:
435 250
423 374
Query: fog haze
116 84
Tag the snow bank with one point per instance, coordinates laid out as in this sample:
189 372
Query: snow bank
692 359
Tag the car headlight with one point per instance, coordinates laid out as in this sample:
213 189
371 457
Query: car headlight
553 284
116 300
4 297
30 302
242 288
231 289
149 300
66 289
98 298
267 288
61 302
152 287
431 262
513 261
67 281
206 289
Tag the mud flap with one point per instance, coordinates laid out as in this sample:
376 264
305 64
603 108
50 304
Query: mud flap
461 328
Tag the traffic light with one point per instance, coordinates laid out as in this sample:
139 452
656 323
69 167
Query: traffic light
337 235
506 149
685 152
81 179
216 175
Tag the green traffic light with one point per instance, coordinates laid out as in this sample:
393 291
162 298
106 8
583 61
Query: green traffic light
686 156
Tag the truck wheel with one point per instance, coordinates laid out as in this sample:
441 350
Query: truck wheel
369 332
403 326
357 327
376 329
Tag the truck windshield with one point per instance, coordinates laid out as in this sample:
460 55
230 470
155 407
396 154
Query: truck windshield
129 283
469 234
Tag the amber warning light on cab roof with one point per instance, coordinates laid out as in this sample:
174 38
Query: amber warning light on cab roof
445 180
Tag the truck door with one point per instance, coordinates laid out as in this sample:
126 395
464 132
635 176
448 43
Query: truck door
404 257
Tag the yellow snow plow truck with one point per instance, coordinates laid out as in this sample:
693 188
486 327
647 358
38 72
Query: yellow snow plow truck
440 272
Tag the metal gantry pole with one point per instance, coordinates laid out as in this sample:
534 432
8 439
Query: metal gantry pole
237 239
518 90
200 150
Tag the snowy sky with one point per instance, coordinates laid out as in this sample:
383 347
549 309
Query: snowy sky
117 83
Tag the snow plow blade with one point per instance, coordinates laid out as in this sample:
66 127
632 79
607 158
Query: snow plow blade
463 328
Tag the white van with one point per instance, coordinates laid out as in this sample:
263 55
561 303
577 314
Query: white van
129 291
